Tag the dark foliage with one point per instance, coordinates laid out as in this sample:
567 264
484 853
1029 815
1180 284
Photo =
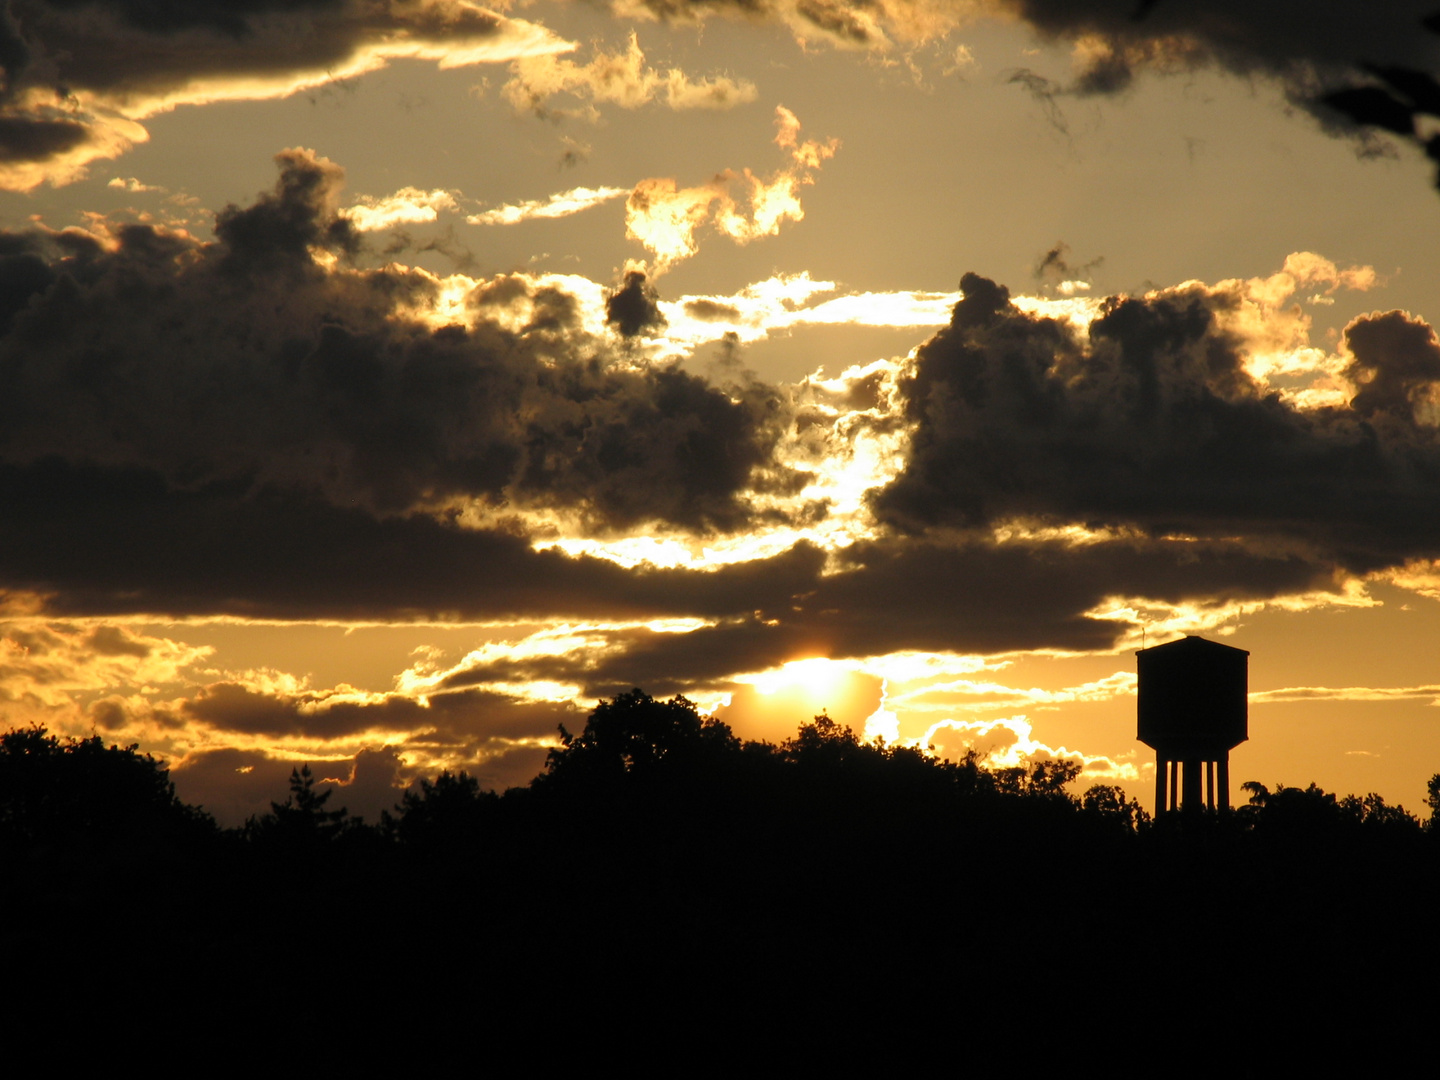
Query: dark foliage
78 793
665 888
449 813
301 822
634 737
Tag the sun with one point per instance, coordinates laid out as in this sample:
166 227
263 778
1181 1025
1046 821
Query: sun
817 676
772 704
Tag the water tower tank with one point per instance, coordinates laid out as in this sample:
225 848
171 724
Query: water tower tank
1193 711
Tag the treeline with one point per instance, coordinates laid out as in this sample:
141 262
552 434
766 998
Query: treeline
661 872
642 765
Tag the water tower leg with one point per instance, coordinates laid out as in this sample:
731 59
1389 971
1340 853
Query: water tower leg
1223 781
1174 784
1209 785
1191 796
1161 765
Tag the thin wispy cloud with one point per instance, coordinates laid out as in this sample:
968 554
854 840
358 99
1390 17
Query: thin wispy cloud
566 203
134 186
1346 693
618 78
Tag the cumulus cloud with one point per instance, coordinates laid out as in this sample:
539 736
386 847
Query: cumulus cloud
312 440
632 309
113 518
620 78
115 63
665 217
232 742
1395 367
1011 743
283 434
260 363
64 665
238 745
133 185
408 206
1151 420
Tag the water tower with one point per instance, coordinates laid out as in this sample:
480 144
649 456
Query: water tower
1192 712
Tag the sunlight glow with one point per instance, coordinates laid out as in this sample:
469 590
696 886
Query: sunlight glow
817 675
882 725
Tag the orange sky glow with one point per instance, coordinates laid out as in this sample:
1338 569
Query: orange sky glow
383 385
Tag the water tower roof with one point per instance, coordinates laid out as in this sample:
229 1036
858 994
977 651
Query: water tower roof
1193 645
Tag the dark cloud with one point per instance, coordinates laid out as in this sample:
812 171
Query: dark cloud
105 61
277 232
231 784
1310 49
1282 37
1153 424
494 738
1058 264
107 541
129 55
372 785
1396 366
134 48
143 467
114 641
712 311
167 16
953 594
1245 37
38 138
246 363
1317 56
1046 93
633 308
444 719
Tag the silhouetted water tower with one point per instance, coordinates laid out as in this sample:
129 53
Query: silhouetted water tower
1193 712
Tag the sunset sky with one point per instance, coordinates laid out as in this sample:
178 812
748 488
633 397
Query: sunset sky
383 382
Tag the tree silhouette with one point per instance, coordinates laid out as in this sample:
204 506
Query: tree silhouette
301 821
1310 813
635 735
1109 804
1041 779
80 791
449 811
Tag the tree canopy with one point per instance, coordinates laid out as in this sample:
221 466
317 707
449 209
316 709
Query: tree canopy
70 791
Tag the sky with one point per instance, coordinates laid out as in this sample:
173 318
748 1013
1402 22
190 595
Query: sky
382 384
